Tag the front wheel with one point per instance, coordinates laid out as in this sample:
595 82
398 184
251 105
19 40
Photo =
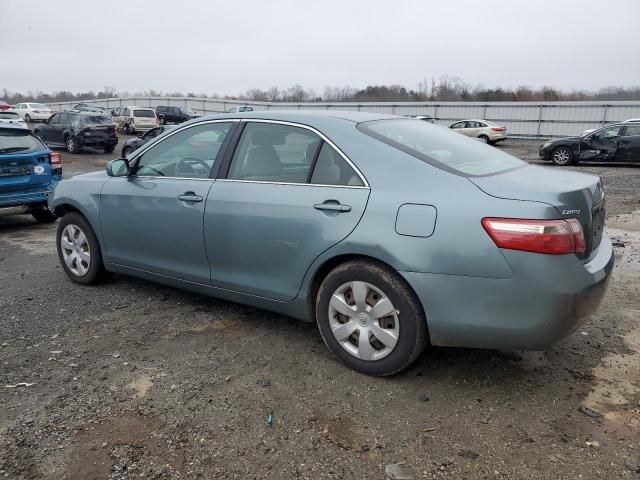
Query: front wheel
370 318
72 145
562 156
163 121
78 250
126 151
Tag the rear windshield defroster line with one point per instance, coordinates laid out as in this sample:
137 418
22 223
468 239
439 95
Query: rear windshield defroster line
441 147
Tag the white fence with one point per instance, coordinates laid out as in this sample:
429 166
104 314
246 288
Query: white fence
523 119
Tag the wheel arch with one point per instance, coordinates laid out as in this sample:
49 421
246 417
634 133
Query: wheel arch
329 264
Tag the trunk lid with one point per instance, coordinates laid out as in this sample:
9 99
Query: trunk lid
24 170
573 194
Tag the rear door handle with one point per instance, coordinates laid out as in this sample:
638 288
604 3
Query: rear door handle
190 197
332 207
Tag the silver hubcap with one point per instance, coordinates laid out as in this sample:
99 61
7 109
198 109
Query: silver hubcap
69 144
484 139
75 250
364 321
561 156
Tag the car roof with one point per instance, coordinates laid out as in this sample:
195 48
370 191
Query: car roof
302 116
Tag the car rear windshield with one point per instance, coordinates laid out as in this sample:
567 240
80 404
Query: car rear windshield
38 105
144 113
95 120
18 141
441 147
10 115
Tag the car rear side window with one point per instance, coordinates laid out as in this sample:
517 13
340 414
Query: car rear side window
144 113
441 147
632 131
9 115
274 153
18 141
332 169
190 153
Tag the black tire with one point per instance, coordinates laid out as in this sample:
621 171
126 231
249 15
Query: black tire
484 138
562 156
43 215
96 271
126 151
71 144
412 335
126 129
163 121
109 149
27 118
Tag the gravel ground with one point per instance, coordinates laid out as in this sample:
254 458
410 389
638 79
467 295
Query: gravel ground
137 380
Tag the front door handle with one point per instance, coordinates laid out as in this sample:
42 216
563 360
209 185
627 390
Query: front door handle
190 197
332 207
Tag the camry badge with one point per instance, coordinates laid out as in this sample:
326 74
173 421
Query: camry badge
571 212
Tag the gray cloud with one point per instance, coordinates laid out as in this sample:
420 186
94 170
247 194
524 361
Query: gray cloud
229 47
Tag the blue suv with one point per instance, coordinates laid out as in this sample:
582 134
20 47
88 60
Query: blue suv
29 172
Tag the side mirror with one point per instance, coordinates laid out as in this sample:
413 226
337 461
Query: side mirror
117 168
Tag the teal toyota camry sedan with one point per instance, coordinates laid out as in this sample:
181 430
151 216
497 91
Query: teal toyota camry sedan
391 233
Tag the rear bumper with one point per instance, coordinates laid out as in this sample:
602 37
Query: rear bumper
532 310
19 198
97 142
39 116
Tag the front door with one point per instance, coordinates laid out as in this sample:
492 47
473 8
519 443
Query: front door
288 196
152 220
601 145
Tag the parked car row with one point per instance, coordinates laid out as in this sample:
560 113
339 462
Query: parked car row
75 130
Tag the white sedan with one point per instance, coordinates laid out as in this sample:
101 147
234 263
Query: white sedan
483 130
9 116
32 111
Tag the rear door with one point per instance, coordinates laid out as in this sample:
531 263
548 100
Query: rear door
287 197
629 145
601 145
152 220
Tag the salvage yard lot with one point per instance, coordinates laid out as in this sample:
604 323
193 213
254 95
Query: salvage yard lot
133 379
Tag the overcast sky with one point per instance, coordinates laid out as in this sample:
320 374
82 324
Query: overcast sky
227 47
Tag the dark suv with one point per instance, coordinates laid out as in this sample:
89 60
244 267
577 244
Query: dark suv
167 114
75 130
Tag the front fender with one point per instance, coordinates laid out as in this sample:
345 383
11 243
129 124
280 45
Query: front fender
81 193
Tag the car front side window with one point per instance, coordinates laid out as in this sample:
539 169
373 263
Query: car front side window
609 132
190 153
273 153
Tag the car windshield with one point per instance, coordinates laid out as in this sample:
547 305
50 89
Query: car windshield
144 113
491 124
18 141
441 147
10 115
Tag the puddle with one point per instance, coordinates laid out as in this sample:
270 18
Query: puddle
616 393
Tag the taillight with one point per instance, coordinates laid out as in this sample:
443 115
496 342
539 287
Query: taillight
497 129
554 237
36 111
56 159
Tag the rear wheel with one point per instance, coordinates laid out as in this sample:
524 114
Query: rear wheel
71 144
109 149
79 251
370 318
126 151
562 156
43 214
126 129
27 118
484 138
